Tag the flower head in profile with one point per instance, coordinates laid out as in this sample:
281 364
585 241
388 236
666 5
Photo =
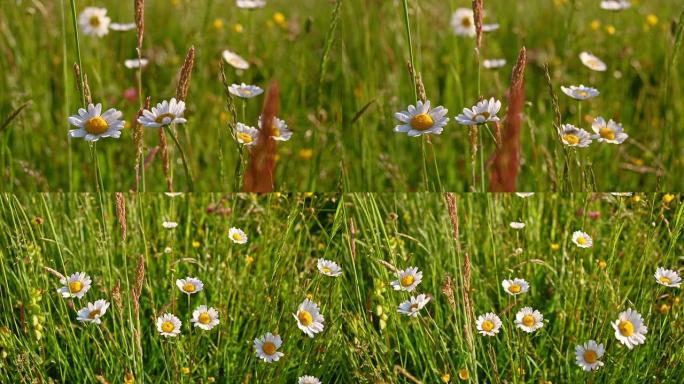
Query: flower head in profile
630 329
667 277
488 324
482 112
615 5
309 318
582 239
266 347
205 317
610 132
575 137
136 63
169 325
592 62
407 279
329 268
167 224
235 60
581 92
517 225
421 120
245 91
246 135
529 320
494 63
190 285
94 21
463 22
515 287
92 124
413 306
122 27
588 355
92 312
237 235
308 380
75 285
524 195
165 113
279 130
250 4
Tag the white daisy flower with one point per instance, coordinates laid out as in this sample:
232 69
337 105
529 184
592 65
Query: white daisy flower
93 312
517 225
173 194
529 320
93 125
250 4
266 347
190 285
515 286
235 60
587 355
621 194
407 279
463 22
524 195
494 63
581 92
165 113
245 91
205 318
309 318
490 27
280 131
615 5
414 305
308 380
246 135
630 329
421 120
667 277
488 324
169 325
237 235
136 63
169 224
329 268
592 62
94 21
122 27
484 111
75 285
610 132
575 137
582 240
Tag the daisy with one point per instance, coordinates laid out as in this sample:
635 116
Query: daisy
582 240
94 21
529 320
515 286
575 137
421 120
490 27
245 91
414 305
488 324
279 130
610 132
205 318
93 312
246 135
136 63
165 113
309 318
615 5
235 60
329 268
266 347
592 62
484 111
237 235
667 277
494 63
122 27
308 380
463 22
169 224
92 124
524 195
169 325
517 225
407 280
630 329
587 355
250 4
190 285
581 92
75 285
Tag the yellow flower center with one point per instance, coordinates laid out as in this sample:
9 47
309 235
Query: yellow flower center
326 270
422 122
466 22
514 288
528 320
160 118
237 236
582 93
581 240
275 131
94 313
96 125
244 137
167 326
607 133
487 325
246 92
268 348
483 114
571 139
590 356
414 307
75 286
94 21
305 318
189 287
407 280
626 328
665 280
204 318
463 374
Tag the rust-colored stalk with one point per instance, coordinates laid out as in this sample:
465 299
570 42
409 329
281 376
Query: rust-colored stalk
477 15
121 213
140 20
185 74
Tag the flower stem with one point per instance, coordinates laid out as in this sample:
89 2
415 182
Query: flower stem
410 44
190 182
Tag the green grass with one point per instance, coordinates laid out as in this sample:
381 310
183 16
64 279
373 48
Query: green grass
365 340
327 75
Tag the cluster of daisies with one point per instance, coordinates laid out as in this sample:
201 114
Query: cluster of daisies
76 286
203 317
407 280
248 135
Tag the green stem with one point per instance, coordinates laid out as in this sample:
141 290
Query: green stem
410 44
482 167
425 174
190 182
78 49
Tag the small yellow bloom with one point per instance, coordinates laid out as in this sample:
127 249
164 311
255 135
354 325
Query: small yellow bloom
555 246
279 19
637 161
218 24
446 378
210 379
306 153
463 374
636 198
664 308
309 296
668 197
249 260
129 378
652 20
237 28
185 370
610 29
196 244
596 24
602 264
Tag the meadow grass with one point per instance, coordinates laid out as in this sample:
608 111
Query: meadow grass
257 286
341 67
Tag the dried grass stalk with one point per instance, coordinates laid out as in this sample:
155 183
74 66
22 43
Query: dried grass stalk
121 213
55 273
82 84
140 21
259 175
116 296
352 234
185 74
448 291
477 15
139 143
139 280
166 162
